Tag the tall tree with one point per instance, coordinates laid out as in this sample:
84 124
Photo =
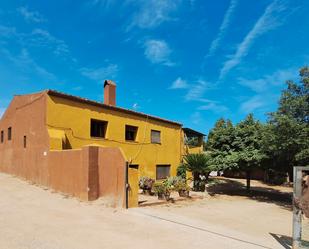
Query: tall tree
289 126
219 144
247 154
236 148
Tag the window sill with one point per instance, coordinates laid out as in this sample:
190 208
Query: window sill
99 138
132 141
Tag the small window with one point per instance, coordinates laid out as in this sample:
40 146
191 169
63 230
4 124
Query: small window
25 141
2 136
10 133
131 132
162 172
133 166
98 128
155 137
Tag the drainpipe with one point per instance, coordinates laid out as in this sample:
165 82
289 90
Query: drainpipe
127 185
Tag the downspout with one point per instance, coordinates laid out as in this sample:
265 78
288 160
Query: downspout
127 185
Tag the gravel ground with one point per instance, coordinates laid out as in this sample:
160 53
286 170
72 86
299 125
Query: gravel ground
36 218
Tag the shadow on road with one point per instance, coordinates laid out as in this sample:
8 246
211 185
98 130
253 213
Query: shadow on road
283 240
264 194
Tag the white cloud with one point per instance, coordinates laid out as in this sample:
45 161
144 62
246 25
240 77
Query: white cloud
158 52
6 32
179 83
196 118
196 91
223 28
43 38
214 107
38 38
152 13
27 64
101 73
31 16
268 21
2 110
277 78
252 104
105 4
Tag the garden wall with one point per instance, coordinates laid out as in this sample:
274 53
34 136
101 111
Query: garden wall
89 173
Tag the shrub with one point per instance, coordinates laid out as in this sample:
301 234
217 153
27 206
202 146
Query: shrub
145 183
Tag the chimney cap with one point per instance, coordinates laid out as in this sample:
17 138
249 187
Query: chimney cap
109 82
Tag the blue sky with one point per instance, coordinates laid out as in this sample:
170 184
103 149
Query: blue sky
186 60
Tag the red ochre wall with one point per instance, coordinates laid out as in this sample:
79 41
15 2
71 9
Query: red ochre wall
89 173
26 115
86 173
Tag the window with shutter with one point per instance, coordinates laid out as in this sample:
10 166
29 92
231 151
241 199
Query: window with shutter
155 137
163 171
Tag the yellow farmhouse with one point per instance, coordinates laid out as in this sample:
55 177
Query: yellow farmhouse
152 144
90 149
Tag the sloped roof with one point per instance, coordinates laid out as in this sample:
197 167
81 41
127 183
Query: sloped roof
110 107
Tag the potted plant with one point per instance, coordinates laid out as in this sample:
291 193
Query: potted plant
162 190
145 183
182 188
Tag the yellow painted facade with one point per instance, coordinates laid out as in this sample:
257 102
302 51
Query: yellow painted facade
68 124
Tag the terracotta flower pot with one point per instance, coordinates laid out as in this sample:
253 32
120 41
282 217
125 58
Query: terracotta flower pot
167 196
183 193
161 196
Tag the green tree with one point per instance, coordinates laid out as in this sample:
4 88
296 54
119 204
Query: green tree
199 165
220 144
236 147
247 154
288 127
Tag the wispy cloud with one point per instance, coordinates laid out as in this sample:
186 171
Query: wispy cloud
6 32
105 4
100 74
268 21
43 38
196 118
196 91
263 84
179 83
31 16
38 38
152 13
158 52
27 65
252 104
223 28
2 110
214 107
